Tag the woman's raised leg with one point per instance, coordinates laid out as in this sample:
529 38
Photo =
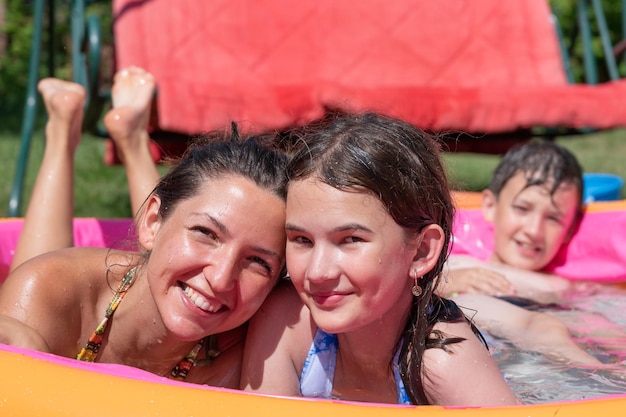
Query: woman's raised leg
50 212
127 124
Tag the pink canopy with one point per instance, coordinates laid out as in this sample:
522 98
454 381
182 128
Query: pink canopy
472 65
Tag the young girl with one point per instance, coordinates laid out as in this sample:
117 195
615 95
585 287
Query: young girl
211 247
369 219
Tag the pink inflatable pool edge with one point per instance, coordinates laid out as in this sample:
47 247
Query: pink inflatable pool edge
88 231
597 252
41 384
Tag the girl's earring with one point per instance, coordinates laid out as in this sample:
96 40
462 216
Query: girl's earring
416 290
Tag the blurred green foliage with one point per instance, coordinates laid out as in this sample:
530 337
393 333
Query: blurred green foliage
566 11
17 32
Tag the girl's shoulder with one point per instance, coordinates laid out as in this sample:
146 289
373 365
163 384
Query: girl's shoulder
452 372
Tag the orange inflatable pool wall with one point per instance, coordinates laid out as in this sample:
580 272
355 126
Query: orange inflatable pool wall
40 384
36 384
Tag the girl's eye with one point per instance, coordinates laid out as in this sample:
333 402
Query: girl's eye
520 209
353 239
301 240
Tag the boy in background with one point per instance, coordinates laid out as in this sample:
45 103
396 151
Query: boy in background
535 203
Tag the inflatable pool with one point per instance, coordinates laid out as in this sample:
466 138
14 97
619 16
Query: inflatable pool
36 384
597 252
39 384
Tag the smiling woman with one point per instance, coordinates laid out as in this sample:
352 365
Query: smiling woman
211 247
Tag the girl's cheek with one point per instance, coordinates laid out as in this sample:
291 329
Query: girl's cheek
296 273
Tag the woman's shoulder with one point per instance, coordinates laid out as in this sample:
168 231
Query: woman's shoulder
284 317
283 301
224 369
279 337
66 270
51 292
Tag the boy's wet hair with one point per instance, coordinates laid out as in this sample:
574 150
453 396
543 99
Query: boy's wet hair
543 163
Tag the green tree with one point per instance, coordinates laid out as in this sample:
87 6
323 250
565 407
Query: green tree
567 14
16 36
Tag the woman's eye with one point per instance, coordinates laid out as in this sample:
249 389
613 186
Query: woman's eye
555 219
520 209
206 232
263 263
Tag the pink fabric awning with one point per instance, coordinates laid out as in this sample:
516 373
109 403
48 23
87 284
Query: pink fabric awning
472 65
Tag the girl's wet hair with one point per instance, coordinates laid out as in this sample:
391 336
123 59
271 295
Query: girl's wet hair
543 163
400 165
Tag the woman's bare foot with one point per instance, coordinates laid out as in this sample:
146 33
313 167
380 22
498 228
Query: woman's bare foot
127 122
48 219
64 102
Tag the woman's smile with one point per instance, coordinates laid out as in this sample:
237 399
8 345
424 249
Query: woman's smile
200 300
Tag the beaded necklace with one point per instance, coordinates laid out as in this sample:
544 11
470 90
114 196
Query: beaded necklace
90 351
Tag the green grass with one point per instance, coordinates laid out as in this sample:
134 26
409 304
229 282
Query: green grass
102 191
597 152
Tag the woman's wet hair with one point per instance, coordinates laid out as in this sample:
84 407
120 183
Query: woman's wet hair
400 165
216 155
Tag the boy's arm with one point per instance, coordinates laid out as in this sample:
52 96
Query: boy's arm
469 275
537 286
528 330
466 275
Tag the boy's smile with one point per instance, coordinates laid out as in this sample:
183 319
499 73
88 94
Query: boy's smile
530 225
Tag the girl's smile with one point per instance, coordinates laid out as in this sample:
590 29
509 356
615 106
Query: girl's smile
347 258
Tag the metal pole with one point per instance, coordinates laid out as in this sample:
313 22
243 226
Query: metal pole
30 111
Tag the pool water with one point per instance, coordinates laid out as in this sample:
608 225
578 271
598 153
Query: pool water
598 323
